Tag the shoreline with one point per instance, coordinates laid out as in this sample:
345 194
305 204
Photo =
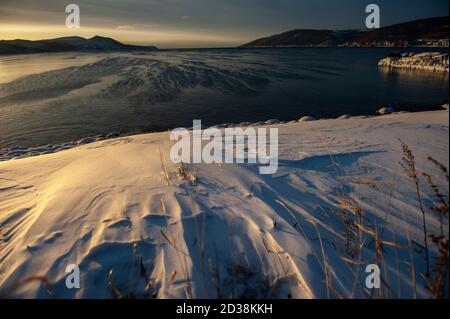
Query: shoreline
5 55
19 152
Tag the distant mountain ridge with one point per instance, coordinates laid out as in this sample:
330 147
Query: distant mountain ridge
425 32
67 44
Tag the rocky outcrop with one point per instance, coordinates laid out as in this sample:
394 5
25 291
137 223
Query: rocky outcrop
428 61
307 119
385 111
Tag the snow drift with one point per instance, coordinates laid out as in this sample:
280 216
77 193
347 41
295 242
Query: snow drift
139 226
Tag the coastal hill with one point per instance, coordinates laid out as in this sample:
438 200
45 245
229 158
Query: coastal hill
67 44
425 32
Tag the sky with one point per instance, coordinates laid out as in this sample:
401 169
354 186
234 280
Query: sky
199 23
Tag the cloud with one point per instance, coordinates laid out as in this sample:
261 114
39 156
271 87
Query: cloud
226 22
160 37
139 26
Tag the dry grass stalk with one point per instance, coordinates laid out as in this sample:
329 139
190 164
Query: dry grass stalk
325 267
166 175
409 167
114 289
186 174
439 282
182 261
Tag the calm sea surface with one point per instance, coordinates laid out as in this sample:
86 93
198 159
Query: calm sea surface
55 98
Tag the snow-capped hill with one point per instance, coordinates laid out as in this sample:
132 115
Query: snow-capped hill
66 44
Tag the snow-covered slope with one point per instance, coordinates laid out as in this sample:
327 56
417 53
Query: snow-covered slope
139 225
